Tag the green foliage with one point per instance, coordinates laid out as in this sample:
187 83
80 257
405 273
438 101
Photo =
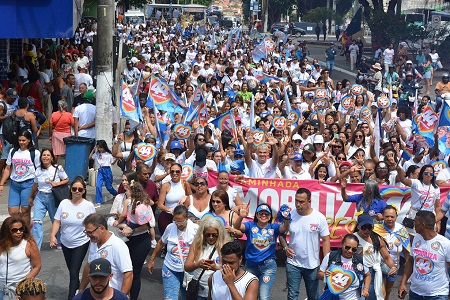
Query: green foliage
277 8
320 14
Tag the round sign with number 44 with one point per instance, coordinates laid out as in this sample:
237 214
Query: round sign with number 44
145 151
182 132
259 137
340 279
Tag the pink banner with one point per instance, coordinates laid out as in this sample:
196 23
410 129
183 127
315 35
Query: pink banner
325 197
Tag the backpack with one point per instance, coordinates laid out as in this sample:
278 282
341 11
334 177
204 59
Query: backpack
11 127
357 262
32 154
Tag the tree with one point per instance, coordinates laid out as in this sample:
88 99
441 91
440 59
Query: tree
277 8
321 14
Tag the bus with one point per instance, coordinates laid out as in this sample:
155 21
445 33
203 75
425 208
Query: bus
199 11
417 19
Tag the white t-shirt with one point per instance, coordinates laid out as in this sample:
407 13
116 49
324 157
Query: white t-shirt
116 251
104 159
265 170
86 115
444 175
388 56
290 174
72 217
231 191
424 161
430 277
352 292
424 194
171 237
44 176
22 168
305 233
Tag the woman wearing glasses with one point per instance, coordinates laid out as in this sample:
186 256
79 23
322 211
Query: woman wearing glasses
19 254
203 257
347 258
171 194
74 241
178 237
374 251
198 204
358 142
220 207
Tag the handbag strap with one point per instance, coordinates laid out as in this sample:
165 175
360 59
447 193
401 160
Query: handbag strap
179 251
58 120
428 194
56 170
7 263
210 256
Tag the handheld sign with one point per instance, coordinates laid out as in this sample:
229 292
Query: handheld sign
279 123
340 279
182 132
145 151
259 137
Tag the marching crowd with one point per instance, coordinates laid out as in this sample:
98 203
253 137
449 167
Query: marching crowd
291 120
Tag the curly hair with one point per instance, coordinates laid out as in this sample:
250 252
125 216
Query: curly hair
6 241
199 244
138 195
31 287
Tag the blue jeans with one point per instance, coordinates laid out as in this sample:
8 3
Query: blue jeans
44 202
330 65
266 272
104 176
19 193
438 104
173 284
414 296
294 279
372 295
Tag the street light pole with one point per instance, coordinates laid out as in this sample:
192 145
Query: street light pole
105 32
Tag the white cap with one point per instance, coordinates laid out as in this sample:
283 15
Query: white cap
318 139
296 137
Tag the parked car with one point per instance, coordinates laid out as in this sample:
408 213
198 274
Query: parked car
297 31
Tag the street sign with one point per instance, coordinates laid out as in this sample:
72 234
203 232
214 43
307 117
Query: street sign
435 21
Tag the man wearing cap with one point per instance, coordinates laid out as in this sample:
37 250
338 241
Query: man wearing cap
330 55
262 167
308 226
131 74
84 117
354 51
200 163
162 175
294 170
377 79
410 68
443 90
99 277
176 148
104 244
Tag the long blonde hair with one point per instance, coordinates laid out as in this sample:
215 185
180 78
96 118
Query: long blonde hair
199 243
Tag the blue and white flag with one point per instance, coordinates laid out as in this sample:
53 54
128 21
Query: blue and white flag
260 52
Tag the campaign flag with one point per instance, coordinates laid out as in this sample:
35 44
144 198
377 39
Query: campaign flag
169 13
213 42
175 13
426 122
150 10
163 97
160 124
444 118
201 29
252 113
260 52
224 122
354 28
129 108
262 77
230 35
409 146
237 34
286 99
158 14
270 44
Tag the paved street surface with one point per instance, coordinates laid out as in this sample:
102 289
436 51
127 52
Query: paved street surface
54 271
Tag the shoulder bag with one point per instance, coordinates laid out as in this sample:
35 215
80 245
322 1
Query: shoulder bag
60 192
9 291
194 285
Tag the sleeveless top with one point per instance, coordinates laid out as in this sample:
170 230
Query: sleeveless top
24 124
194 211
175 194
56 88
220 290
19 264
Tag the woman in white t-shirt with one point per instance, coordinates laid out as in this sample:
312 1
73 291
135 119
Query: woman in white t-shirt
178 237
74 240
20 168
425 193
46 177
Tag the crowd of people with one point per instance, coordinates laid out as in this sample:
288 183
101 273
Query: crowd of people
202 227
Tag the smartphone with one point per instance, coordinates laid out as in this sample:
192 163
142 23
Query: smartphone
209 261
336 135
402 295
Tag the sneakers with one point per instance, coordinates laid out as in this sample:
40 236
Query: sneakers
154 244
58 246
97 205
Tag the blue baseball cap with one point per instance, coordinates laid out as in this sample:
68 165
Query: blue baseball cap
239 152
365 219
238 165
264 207
175 145
297 156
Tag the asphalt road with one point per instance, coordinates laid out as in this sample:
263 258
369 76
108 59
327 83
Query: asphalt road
54 271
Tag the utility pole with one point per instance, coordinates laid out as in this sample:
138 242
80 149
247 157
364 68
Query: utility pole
105 84
265 15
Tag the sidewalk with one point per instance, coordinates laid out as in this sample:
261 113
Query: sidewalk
44 142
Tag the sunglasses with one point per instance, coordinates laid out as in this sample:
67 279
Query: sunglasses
16 230
197 184
428 173
211 235
216 202
366 227
200 140
175 171
353 249
340 158
75 189
180 222
365 127
358 136
339 147
296 141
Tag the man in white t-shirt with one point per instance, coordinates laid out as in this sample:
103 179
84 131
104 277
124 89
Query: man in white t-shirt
307 228
388 57
84 116
428 263
262 167
104 244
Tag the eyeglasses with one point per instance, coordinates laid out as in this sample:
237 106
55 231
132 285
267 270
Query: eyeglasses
89 233
365 127
211 235
197 184
296 141
175 171
366 227
353 249
180 222
337 146
75 189
216 201
428 173
340 158
262 103
16 230
200 140
394 142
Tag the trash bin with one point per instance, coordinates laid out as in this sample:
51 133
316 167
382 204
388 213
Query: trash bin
77 156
